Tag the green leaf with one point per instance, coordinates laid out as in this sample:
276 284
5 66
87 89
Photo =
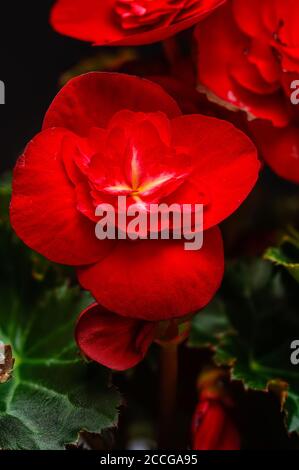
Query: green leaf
5 192
54 393
286 254
253 322
210 326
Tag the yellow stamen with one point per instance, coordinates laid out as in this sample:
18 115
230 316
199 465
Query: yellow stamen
148 186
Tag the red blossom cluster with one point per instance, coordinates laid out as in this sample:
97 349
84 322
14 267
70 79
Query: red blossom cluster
110 134
105 132
248 57
182 130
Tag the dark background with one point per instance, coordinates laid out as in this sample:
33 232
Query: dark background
33 57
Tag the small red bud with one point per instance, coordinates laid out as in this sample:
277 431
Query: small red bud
213 427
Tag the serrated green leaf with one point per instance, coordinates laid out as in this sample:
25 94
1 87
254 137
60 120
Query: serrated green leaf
259 318
293 411
54 393
287 254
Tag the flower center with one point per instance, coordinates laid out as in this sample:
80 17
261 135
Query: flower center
142 187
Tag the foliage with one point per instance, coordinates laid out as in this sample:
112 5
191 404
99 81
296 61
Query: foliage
53 393
251 326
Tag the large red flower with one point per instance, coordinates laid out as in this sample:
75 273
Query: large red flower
250 64
107 135
127 22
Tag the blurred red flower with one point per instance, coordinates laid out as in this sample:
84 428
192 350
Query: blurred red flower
108 134
249 64
213 426
127 22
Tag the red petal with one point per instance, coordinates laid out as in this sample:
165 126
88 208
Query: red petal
249 18
91 100
116 342
217 61
93 20
226 164
214 428
157 280
218 50
184 93
279 147
248 76
43 206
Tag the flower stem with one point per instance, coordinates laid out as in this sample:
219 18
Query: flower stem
168 394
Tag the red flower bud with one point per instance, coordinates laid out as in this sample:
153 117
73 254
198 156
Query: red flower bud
213 427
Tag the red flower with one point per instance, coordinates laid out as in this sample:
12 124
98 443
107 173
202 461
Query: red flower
120 343
213 427
113 341
107 135
128 22
250 64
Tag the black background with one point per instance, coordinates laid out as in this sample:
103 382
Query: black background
33 57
